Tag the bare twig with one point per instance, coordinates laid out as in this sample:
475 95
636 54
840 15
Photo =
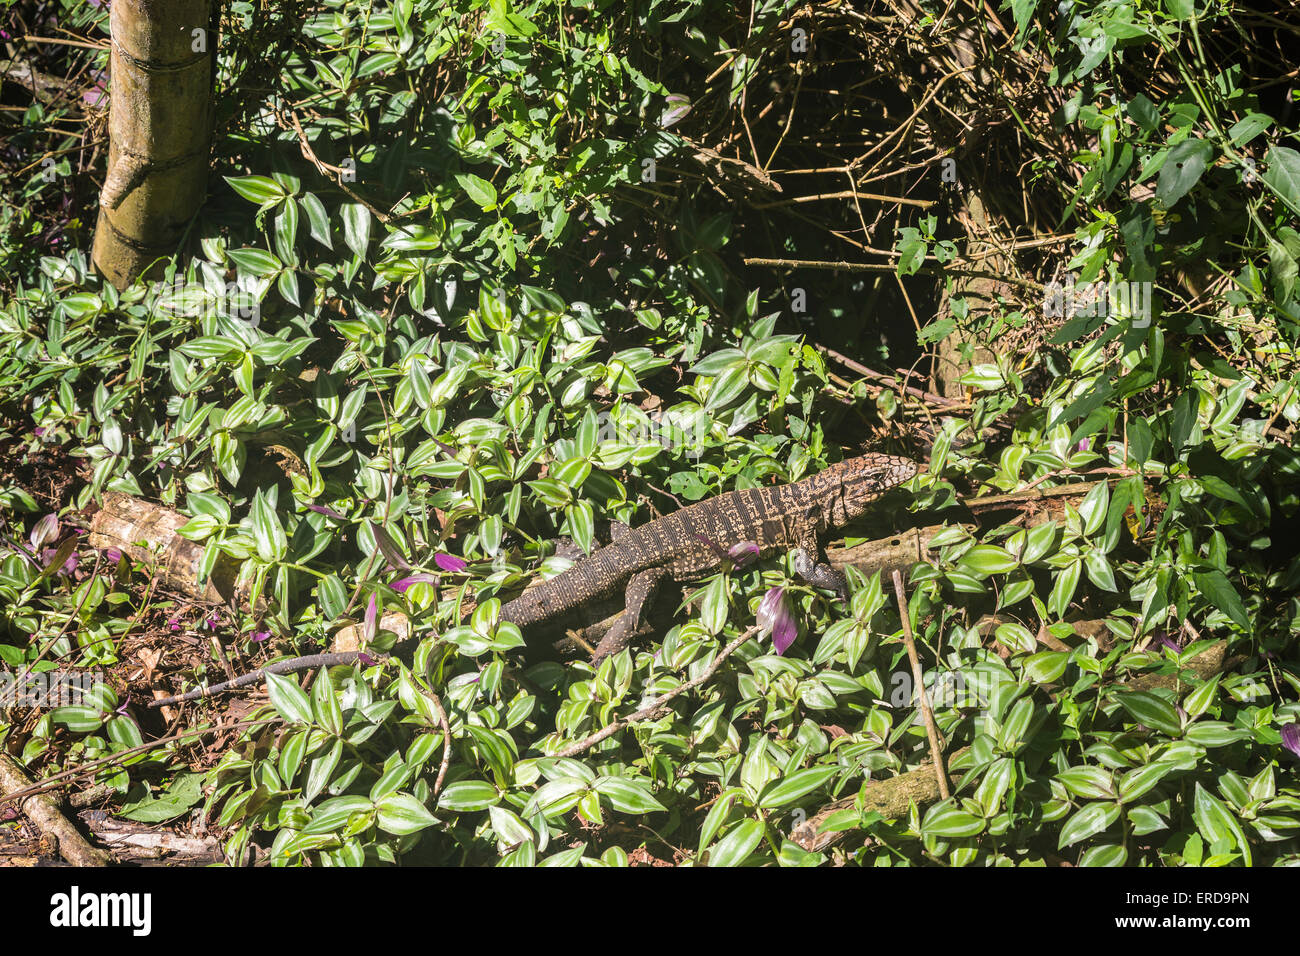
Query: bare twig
848 194
446 738
655 705
841 266
290 666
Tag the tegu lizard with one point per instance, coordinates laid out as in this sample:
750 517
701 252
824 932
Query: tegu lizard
683 546
688 544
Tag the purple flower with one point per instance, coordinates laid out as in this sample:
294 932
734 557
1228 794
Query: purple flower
366 659
746 552
1291 738
113 555
389 548
46 530
260 636
401 585
449 562
1083 445
774 616
174 624
212 622
40 432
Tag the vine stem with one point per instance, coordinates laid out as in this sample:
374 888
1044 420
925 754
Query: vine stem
931 731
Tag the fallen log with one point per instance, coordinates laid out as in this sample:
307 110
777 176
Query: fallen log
44 813
146 533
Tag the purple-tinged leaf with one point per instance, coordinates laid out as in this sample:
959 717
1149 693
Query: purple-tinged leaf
46 530
449 562
389 548
676 109
371 621
1291 738
401 585
68 563
327 512
98 93
58 560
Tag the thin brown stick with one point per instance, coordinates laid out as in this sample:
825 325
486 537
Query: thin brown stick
931 731
841 266
60 780
291 666
887 380
651 708
310 154
848 194
56 40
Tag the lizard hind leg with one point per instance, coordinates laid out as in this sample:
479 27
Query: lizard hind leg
641 590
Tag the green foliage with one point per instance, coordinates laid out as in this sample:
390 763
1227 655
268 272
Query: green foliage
456 346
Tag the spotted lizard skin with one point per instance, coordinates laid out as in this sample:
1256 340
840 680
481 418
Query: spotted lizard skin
689 543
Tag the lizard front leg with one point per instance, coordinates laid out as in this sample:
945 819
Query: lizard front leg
809 565
641 588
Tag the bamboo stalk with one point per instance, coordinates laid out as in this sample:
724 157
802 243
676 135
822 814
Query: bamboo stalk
160 123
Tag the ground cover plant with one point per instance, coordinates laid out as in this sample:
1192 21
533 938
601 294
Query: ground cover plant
476 280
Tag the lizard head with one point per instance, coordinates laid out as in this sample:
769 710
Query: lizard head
853 486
